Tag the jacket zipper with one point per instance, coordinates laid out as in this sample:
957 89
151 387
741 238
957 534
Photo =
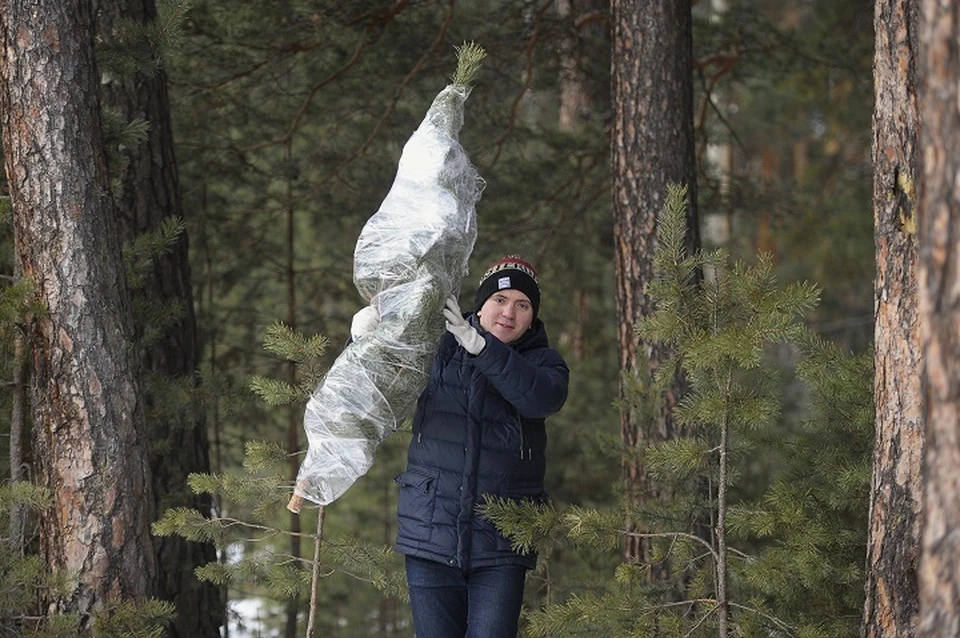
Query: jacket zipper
420 428
520 426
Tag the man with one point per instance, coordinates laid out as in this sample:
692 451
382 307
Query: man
478 430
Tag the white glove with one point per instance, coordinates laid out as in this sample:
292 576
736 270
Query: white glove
466 335
364 322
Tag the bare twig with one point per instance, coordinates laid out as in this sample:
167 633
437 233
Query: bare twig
396 97
270 531
703 618
675 535
776 621
722 517
315 579
295 124
680 603
527 81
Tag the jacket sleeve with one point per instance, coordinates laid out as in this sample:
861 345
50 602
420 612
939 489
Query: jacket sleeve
535 383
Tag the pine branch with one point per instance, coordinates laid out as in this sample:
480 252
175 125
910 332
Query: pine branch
672 229
167 30
194 526
469 57
140 253
135 619
264 455
283 341
528 525
275 392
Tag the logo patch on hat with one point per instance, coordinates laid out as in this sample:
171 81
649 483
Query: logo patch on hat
503 282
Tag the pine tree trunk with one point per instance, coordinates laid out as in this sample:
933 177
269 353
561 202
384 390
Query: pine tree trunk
148 194
652 145
578 18
88 442
896 493
576 100
939 236
294 417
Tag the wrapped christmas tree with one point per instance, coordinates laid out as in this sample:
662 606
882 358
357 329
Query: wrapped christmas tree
411 254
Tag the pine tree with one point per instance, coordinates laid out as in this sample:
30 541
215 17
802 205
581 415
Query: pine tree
22 573
763 561
810 526
259 495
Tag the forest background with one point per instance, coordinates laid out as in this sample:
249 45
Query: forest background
288 119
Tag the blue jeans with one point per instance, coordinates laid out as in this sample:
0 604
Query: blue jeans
448 602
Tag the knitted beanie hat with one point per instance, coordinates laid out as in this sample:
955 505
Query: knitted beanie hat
511 272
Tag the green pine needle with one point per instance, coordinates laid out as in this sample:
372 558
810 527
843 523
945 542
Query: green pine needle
469 57
135 619
285 342
275 392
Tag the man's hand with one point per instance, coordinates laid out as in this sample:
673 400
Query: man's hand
466 335
364 322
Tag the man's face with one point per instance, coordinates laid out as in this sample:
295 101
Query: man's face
506 314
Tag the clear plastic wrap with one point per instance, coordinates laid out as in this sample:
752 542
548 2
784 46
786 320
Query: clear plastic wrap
411 254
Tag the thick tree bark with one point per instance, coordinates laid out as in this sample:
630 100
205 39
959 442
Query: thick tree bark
939 236
18 430
896 493
652 145
148 194
88 442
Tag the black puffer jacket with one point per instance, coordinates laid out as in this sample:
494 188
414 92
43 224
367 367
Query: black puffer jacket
478 429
